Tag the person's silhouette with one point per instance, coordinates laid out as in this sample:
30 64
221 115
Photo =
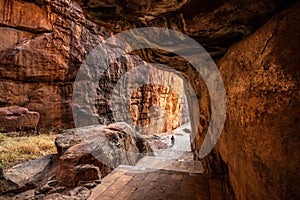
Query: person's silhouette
172 140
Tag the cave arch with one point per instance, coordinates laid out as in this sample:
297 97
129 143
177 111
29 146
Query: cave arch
175 42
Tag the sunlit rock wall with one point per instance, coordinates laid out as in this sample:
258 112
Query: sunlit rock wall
42 44
147 98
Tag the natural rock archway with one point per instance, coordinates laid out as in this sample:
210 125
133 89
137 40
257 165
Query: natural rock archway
259 90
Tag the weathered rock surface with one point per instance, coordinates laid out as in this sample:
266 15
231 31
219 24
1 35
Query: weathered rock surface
214 24
159 142
30 174
137 96
17 118
88 151
70 171
6 184
260 142
40 55
156 109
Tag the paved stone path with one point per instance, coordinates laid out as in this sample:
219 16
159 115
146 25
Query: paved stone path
130 183
170 174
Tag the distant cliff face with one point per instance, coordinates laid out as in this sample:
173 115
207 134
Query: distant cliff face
150 108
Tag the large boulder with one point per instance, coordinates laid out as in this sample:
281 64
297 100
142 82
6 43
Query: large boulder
86 151
85 155
17 118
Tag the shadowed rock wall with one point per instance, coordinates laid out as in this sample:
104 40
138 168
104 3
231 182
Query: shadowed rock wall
260 141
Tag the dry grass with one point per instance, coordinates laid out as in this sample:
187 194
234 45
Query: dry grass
14 150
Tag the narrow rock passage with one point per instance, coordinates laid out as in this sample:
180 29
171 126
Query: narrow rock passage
170 174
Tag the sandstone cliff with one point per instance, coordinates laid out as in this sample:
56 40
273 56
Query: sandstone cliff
41 52
42 45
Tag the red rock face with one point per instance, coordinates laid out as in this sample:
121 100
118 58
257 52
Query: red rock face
260 141
40 56
40 53
156 109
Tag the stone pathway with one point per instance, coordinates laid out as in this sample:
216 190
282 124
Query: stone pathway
139 184
170 174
